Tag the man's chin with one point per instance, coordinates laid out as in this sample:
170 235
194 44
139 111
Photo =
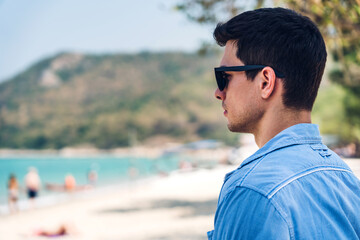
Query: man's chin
238 128
232 128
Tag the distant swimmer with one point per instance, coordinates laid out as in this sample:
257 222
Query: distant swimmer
92 177
70 183
32 183
68 186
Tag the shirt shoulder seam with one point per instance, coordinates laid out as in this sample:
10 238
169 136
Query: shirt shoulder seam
301 174
261 158
272 202
250 170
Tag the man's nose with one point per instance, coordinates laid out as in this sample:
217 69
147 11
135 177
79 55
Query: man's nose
219 94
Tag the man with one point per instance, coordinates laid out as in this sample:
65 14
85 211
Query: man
32 183
293 187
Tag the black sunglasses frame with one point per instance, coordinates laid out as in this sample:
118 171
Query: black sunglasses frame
222 80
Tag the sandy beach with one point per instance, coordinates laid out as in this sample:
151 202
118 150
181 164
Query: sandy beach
179 206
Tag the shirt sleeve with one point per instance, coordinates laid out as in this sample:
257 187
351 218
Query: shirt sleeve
247 214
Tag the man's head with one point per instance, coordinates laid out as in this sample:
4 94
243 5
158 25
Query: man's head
286 42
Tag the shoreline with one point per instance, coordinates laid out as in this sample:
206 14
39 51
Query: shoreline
179 206
83 152
138 151
111 170
58 198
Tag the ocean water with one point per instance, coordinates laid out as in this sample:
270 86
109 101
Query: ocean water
53 169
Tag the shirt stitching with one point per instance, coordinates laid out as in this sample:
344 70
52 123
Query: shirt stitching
283 214
285 140
277 188
275 205
284 144
251 169
253 188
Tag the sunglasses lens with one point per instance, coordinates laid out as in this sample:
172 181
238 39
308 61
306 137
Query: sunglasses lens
221 79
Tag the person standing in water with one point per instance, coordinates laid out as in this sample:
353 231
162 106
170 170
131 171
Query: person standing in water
13 190
32 183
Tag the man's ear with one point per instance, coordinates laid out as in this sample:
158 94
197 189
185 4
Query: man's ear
268 80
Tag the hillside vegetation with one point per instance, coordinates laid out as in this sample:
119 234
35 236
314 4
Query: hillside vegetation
101 100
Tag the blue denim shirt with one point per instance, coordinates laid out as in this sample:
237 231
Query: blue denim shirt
294 187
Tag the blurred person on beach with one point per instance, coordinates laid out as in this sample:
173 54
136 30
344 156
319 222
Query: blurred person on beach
92 177
64 229
293 187
69 183
133 173
68 186
13 193
33 184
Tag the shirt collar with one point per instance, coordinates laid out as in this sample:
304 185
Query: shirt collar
303 133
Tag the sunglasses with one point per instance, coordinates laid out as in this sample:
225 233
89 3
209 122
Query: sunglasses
222 78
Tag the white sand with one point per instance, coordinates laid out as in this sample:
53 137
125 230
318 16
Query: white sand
180 206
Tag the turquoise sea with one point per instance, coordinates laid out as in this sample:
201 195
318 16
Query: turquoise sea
53 169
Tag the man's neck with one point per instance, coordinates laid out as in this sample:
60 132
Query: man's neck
274 122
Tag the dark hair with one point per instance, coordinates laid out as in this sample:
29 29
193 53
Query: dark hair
284 40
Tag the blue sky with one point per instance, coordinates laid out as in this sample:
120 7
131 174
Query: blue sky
31 30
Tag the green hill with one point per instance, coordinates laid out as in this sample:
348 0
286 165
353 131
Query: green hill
74 99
